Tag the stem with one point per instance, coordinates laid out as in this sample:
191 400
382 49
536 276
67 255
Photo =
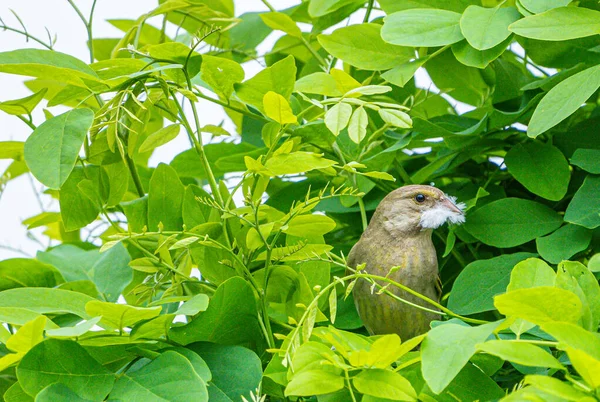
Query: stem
363 211
135 176
27 36
269 6
369 9
28 122
312 51
233 108
199 147
349 386
422 297
88 25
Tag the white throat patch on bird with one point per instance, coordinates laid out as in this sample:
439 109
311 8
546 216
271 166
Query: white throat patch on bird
440 213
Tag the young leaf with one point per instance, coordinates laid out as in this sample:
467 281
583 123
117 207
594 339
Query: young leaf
160 137
396 118
520 353
337 118
357 128
281 22
277 108
332 305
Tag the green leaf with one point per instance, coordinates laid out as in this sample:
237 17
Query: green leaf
49 65
583 208
277 108
72 332
396 118
361 46
52 149
296 253
279 78
27 336
318 83
46 301
540 304
521 353
24 105
296 162
587 159
403 73
559 24
510 222
337 118
587 366
193 306
314 382
531 273
119 316
309 225
536 7
23 272
58 392
11 150
64 362
16 394
572 335
357 129
281 22
231 317
485 28
229 383
563 243
541 168
160 137
319 8
478 283
168 377
422 27
221 74
447 349
109 270
165 199
564 99
471 384
384 384
555 387
472 57
594 263
574 276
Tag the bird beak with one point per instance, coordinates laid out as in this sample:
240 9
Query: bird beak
447 202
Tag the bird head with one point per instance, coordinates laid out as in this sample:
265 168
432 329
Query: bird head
417 208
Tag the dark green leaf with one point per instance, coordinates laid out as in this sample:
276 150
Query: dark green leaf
583 208
510 222
65 362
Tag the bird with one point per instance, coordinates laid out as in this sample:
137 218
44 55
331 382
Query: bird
397 244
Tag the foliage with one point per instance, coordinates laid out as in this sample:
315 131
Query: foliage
331 124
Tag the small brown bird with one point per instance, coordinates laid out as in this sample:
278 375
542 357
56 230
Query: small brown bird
399 235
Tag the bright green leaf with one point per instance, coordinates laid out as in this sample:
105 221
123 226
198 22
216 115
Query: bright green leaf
52 149
422 27
485 28
559 24
521 353
361 46
277 108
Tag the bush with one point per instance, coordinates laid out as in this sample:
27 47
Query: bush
268 214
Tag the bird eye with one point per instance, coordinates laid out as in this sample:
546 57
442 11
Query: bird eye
420 198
